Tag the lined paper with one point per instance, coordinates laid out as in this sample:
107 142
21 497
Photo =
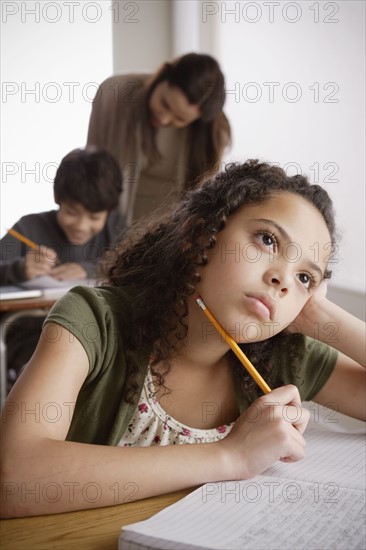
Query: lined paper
317 503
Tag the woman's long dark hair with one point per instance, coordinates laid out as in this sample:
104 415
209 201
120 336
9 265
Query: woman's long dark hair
159 260
200 78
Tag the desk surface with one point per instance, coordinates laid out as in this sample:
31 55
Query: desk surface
26 303
97 529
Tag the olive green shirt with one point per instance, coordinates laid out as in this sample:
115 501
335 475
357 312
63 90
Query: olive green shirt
102 319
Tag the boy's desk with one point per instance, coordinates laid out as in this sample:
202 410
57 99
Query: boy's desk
10 309
97 529
46 292
26 303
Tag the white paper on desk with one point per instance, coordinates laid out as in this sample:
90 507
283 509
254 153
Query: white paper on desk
317 503
12 292
53 288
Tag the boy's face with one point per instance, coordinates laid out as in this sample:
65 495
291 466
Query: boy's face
79 224
268 261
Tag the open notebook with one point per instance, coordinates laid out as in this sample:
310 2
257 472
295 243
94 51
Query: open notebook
317 503
45 286
12 292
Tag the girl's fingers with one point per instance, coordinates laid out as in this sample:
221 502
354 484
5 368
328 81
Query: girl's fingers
297 416
288 399
284 396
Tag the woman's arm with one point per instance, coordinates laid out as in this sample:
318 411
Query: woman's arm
42 473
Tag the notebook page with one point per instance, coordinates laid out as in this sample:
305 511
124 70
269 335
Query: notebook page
264 516
317 503
330 420
12 292
48 282
331 458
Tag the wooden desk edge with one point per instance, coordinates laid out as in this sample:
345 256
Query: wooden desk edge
26 303
98 528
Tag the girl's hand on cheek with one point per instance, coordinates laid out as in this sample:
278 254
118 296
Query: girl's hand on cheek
310 313
271 429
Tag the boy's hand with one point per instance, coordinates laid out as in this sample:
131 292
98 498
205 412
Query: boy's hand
68 271
39 262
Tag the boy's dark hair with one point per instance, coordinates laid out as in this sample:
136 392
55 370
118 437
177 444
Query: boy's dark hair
159 260
90 177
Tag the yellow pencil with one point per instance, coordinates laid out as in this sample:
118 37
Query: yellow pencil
234 346
23 239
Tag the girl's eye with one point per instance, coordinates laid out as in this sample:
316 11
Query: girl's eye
305 279
268 240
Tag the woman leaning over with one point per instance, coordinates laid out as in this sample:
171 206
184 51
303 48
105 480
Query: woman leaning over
166 129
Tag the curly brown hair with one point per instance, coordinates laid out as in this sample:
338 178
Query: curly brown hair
158 261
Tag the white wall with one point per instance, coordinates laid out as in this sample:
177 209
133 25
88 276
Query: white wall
61 51
296 83
153 31
142 36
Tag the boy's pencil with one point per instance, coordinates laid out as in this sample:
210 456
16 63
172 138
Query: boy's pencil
234 346
23 239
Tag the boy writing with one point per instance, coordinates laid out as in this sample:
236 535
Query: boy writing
70 240
87 187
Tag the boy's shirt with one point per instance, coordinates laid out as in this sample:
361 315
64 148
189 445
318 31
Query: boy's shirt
44 229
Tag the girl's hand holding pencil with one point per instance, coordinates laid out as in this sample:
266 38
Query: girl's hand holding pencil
269 430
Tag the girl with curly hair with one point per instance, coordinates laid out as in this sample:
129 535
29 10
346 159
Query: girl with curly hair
145 389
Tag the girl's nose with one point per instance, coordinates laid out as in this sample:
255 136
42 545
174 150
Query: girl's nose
279 279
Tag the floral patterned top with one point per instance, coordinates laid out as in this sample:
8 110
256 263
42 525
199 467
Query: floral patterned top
151 425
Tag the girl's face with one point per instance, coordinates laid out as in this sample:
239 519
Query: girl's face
170 107
266 264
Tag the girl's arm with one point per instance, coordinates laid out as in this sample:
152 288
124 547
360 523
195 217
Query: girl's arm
345 390
43 474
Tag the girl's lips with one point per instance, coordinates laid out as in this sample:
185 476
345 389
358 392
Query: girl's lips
264 305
